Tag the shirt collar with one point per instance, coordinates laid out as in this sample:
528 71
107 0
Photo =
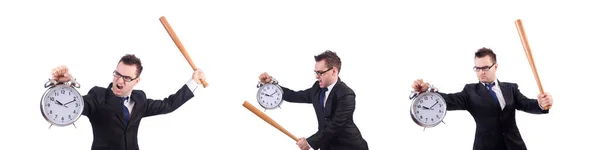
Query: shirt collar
495 82
331 86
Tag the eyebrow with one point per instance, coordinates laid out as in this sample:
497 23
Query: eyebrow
483 66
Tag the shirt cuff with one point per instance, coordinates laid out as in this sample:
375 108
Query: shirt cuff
542 108
192 85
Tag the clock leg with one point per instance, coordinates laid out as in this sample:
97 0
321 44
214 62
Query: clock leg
424 129
74 126
50 126
443 122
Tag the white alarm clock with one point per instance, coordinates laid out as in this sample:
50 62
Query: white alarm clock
269 95
428 108
61 104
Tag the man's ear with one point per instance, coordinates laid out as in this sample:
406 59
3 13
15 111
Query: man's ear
136 81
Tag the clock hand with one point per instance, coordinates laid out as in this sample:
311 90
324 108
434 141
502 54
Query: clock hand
426 107
434 104
69 102
59 103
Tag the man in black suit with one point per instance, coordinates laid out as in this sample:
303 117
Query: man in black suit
108 109
334 104
493 104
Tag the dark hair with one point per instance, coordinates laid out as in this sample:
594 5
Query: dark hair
482 52
130 59
331 59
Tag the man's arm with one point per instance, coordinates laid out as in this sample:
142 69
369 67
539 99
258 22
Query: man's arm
171 103
302 96
457 101
526 104
342 115
90 102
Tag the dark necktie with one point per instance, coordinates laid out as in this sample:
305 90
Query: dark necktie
322 98
125 110
489 87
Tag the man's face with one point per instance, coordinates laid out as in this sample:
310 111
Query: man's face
324 75
125 78
485 69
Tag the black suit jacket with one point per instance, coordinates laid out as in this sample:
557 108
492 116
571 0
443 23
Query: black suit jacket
496 128
337 130
105 113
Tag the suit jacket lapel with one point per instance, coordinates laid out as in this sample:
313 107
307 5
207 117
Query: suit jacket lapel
136 107
506 94
115 104
330 98
485 93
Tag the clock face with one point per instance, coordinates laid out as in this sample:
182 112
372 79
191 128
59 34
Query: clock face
428 109
62 105
269 96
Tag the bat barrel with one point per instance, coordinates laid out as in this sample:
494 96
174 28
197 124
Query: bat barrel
268 119
179 45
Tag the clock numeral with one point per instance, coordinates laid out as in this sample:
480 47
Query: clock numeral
440 105
69 116
48 104
437 116
440 111
421 101
75 111
425 98
76 104
62 118
51 98
417 112
55 93
55 116
62 91
69 93
50 112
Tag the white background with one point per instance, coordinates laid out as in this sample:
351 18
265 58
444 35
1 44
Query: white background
384 47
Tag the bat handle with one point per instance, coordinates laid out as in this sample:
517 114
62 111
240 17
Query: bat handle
202 81
204 84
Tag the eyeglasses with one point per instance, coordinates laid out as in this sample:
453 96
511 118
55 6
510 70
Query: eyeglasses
126 78
319 73
484 68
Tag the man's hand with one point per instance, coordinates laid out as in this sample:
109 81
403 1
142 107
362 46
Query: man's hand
61 74
264 78
303 144
420 86
198 75
545 100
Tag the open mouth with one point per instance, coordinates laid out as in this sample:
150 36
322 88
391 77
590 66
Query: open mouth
119 86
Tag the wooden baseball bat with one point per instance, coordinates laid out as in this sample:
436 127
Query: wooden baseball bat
268 120
175 39
525 44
